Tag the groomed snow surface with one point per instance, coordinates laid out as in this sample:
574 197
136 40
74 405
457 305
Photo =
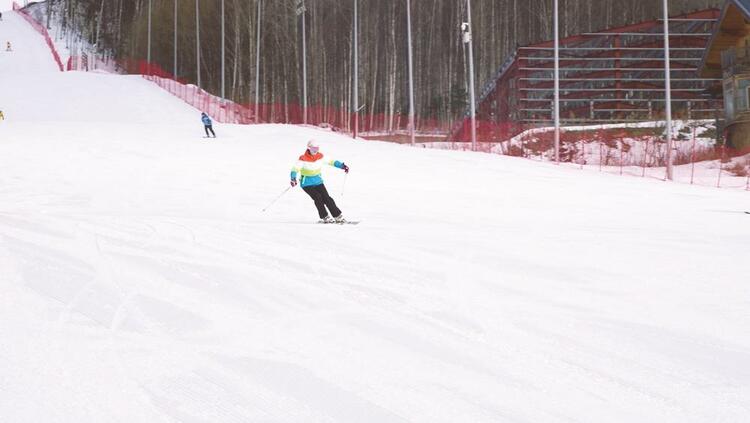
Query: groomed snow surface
6 6
140 281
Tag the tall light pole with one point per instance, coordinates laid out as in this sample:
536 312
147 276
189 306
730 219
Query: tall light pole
411 74
355 99
668 90
257 68
95 47
557 82
198 40
467 39
148 52
174 66
223 51
301 10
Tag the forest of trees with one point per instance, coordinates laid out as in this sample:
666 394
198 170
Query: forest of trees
120 27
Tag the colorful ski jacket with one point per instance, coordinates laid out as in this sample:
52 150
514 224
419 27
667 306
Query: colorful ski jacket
309 167
206 120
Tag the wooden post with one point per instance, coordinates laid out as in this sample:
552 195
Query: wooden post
645 157
721 164
692 159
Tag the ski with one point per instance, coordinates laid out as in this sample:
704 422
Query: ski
348 222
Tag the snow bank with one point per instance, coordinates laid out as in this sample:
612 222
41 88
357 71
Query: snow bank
628 149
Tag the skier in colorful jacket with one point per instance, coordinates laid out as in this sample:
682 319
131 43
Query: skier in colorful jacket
309 168
207 124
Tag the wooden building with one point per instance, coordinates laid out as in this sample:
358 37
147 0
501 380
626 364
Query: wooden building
611 76
728 58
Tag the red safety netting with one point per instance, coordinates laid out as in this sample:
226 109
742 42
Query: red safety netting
41 30
635 150
90 62
336 118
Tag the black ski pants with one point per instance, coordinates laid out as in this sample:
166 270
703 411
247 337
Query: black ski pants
210 128
319 194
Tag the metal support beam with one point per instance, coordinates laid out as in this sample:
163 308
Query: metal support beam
412 129
612 70
693 90
355 98
631 59
223 53
174 65
257 65
557 81
668 91
622 79
604 48
648 34
467 39
598 100
148 52
688 20
580 121
198 42
304 64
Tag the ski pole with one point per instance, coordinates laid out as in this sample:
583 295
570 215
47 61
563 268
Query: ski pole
343 186
277 198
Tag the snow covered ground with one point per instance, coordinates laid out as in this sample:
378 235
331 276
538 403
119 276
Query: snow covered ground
588 153
6 5
140 282
29 56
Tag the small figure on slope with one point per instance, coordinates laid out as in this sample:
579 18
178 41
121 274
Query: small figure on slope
207 124
8 47
309 167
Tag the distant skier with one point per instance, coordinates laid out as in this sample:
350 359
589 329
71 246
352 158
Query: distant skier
309 167
8 47
207 124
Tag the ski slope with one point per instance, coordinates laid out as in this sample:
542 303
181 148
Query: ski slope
140 281
6 6
30 54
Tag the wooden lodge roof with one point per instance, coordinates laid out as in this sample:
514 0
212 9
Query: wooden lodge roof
733 26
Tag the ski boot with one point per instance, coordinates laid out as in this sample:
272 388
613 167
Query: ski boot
340 219
326 220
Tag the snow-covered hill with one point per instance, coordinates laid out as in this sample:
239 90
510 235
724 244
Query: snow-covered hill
140 281
30 55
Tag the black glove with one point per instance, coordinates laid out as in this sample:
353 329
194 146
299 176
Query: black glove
293 182
345 167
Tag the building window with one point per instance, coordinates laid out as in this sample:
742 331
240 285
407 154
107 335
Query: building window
729 98
742 100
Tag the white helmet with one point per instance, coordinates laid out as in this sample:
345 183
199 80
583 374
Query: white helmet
313 146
